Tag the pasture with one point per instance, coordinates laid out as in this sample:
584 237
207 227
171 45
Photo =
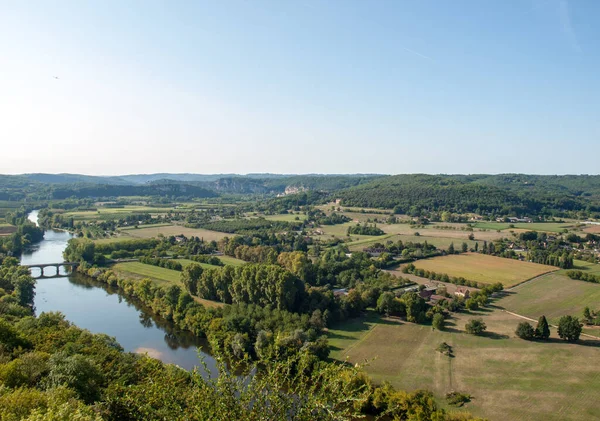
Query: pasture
509 378
483 268
553 296
157 274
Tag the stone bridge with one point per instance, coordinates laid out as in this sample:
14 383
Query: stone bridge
42 266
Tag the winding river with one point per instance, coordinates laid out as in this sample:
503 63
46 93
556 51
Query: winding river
101 309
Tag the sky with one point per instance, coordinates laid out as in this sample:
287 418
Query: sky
304 86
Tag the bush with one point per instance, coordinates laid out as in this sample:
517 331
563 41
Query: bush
475 327
525 331
445 349
458 399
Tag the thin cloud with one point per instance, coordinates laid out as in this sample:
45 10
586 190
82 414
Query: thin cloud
567 25
418 54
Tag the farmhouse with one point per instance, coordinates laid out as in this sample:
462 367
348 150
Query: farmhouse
427 293
462 292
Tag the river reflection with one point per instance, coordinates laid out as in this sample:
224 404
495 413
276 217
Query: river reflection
101 309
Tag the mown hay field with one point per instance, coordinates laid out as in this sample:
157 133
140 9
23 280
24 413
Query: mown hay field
485 269
553 296
509 378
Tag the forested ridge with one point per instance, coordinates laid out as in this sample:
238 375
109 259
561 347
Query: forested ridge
502 194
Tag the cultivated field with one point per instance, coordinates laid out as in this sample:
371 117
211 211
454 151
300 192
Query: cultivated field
592 229
7 229
484 269
552 295
168 230
509 378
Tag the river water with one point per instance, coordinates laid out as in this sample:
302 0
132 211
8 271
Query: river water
101 309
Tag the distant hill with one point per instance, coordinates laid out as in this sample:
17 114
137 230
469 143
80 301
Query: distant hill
503 194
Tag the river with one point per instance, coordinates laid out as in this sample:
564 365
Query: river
101 309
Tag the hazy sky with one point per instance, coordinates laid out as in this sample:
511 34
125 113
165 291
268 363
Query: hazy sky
300 86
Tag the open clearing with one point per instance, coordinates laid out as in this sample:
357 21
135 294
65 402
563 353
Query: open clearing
483 268
510 379
553 296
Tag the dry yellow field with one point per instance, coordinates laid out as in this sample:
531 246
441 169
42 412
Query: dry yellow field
485 269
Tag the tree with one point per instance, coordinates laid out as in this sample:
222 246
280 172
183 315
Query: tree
438 321
190 276
525 331
451 249
542 331
77 372
386 303
472 304
587 314
464 247
475 327
569 328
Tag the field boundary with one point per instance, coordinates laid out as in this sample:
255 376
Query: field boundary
554 326
532 279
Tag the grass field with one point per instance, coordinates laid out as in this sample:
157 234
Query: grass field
484 269
552 295
168 230
583 266
160 275
510 379
228 260
555 227
187 262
